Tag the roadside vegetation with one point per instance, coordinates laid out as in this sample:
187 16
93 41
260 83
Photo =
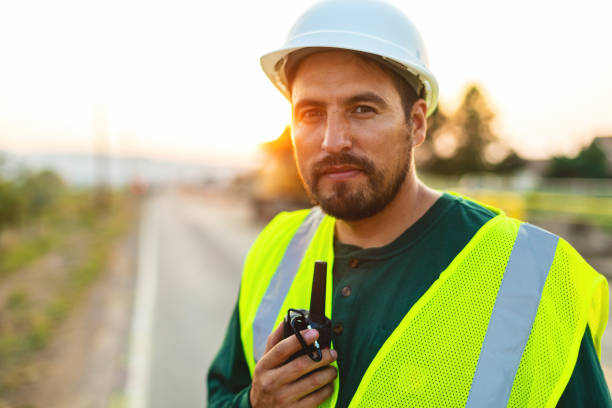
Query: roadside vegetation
54 243
589 210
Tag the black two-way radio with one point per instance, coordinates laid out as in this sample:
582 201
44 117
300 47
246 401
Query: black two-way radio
300 319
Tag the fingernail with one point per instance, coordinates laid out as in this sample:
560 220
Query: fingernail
334 354
311 334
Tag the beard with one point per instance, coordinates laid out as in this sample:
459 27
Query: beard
349 202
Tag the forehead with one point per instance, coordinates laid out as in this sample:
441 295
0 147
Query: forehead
338 71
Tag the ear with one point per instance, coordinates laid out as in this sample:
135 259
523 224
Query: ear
418 118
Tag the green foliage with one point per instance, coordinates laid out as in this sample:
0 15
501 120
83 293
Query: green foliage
26 251
40 190
589 163
12 204
17 299
39 333
29 196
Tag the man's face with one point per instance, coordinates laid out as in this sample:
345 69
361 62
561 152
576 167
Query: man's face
352 143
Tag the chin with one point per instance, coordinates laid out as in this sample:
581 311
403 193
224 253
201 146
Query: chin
349 206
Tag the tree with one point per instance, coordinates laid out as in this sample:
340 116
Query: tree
426 156
589 163
464 142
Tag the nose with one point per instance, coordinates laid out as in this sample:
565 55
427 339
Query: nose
337 136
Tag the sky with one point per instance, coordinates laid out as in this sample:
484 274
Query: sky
181 79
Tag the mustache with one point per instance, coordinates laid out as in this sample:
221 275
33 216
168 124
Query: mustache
340 159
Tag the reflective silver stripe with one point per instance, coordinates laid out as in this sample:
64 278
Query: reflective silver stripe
513 315
280 283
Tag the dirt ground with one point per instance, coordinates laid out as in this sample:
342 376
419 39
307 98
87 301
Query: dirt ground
84 363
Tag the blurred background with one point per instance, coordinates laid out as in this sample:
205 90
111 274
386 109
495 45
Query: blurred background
142 150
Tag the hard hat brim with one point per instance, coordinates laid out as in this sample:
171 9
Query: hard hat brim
273 63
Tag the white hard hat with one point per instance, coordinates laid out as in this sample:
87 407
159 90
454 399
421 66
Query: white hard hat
370 26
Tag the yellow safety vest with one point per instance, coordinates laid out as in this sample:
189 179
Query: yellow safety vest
501 326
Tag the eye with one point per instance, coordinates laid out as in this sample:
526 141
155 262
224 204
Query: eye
311 115
364 109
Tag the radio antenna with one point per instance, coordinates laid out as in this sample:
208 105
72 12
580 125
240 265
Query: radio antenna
317 297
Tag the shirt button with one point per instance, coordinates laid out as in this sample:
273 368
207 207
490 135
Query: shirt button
354 262
338 328
346 291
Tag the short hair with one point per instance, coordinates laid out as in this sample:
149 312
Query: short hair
408 95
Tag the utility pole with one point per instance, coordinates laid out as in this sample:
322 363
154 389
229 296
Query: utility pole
101 156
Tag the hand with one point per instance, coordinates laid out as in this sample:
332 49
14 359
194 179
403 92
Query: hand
276 384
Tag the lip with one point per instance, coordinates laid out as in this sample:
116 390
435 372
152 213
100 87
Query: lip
341 173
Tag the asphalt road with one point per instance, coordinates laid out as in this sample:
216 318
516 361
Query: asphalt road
192 249
191 253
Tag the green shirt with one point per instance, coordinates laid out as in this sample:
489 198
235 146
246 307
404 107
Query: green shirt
374 288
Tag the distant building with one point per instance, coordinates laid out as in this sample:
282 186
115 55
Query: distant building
537 167
605 144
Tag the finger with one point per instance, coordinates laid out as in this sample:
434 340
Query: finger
311 382
303 365
279 354
316 398
274 337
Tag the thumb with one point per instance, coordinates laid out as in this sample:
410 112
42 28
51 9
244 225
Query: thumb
274 337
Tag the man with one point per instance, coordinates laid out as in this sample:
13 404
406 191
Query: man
435 300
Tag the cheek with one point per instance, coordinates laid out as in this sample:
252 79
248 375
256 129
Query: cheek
301 158
385 129
305 147
389 152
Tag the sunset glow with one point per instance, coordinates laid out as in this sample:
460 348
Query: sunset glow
181 79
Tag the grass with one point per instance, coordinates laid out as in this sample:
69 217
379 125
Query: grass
116 401
26 251
574 208
73 212
586 209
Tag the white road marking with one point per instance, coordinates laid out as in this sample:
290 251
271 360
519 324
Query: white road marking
139 369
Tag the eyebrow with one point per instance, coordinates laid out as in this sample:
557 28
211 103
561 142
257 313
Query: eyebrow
362 97
306 102
367 97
